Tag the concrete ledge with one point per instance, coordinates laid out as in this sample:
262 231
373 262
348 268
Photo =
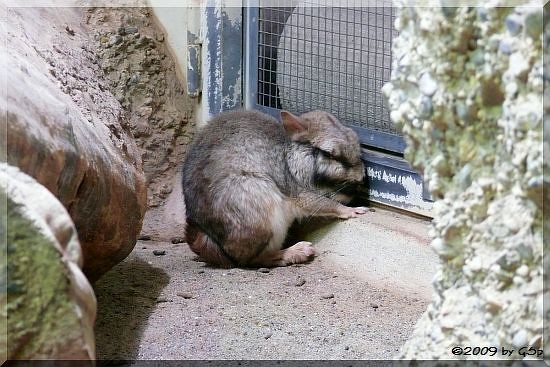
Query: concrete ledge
387 249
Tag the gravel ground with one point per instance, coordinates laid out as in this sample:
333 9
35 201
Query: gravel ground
161 303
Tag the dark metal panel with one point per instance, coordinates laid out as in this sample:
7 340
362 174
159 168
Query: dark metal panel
213 57
193 69
250 55
223 39
392 181
380 139
232 51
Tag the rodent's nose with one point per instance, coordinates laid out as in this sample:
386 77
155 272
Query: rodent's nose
358 175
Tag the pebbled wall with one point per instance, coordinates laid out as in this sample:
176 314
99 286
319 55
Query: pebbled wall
466 91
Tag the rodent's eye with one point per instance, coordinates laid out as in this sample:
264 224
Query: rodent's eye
327 154
341 160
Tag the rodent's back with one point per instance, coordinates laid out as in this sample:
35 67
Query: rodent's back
233 144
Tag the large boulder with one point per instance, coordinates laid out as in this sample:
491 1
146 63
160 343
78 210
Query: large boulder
50 306
69 133
466 90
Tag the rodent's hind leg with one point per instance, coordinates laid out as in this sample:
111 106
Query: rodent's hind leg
300 252
207 250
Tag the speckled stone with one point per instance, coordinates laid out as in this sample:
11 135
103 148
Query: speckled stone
479 146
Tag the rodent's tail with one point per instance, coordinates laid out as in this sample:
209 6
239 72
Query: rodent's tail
205 247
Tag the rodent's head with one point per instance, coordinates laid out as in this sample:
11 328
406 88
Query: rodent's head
336 148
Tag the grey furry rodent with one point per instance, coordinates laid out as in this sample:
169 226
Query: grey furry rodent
246 178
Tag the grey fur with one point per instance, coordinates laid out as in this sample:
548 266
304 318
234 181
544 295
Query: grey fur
247 177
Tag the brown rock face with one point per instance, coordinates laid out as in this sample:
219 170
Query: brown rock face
69 133
140 71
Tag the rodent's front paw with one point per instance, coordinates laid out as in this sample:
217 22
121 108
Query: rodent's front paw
349 212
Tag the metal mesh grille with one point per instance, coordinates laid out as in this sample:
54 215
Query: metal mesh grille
330 58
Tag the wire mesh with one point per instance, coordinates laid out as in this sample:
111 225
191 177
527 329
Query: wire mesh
330 58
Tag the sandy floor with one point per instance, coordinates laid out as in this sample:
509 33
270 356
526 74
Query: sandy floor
173 307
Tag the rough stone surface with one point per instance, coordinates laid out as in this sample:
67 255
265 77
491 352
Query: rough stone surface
50 307
141 73
69 133
480 147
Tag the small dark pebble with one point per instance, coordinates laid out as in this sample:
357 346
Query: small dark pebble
144 247
372 210
299 282
327 296
200 271
144 237
177 240
159 252
374 305
69 30
264 270
346 347
185 295
130 30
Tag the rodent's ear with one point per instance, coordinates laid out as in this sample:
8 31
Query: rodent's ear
293 125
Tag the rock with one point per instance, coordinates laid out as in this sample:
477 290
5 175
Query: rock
88 160
513 23
159 252
491 92
268 334
144 237
427 85
175 240
264 270
131 30
520 339
115 40
505 47
327 295
534 22
482 13
185 295
519 65
426 107
44 279
299 282
69 30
